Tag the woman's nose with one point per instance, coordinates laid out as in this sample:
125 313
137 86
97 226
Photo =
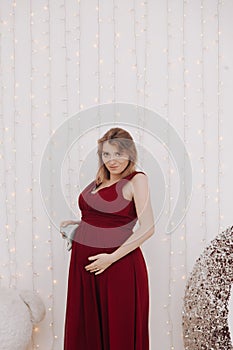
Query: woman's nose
112 161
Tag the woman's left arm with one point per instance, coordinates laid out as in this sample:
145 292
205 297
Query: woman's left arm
145 217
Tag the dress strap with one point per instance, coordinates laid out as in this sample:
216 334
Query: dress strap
130 176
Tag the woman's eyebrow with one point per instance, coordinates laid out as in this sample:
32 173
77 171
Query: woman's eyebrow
108 152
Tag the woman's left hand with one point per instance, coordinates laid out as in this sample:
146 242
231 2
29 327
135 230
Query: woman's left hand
101 263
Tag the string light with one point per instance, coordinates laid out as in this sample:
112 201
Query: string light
5 244
66 99
219 131
185 123
98 99
8 205
13 248
169 174
49 113
202 132
145 86
29 190
114 56
140 115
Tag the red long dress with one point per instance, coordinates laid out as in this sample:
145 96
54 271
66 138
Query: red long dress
108 311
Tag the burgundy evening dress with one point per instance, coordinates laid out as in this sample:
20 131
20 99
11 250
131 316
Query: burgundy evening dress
108 311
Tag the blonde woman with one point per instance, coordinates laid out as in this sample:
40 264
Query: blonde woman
108 295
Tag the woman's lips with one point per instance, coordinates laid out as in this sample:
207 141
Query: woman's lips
113 167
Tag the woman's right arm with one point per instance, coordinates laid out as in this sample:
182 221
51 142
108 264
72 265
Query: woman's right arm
66 223
69 222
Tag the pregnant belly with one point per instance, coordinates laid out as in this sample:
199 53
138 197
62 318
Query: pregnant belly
134 258
101 237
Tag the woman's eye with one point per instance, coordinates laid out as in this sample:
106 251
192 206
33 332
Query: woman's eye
107 155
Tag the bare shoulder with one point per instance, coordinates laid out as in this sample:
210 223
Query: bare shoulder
140 179
139 176
139 185
137 181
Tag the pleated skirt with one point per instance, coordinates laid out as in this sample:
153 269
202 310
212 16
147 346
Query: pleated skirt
109 311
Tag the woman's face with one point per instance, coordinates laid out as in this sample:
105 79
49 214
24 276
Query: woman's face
115 161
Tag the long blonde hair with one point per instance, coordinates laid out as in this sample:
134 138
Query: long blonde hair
124 141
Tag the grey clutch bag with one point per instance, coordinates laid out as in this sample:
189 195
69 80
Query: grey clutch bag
69 233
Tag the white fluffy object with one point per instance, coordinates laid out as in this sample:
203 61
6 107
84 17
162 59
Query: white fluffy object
19 310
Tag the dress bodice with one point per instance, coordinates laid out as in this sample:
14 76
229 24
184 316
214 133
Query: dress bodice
107 212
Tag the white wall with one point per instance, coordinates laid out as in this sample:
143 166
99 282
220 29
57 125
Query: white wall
57 59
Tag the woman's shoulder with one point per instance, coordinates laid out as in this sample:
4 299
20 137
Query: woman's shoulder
139 178
137 174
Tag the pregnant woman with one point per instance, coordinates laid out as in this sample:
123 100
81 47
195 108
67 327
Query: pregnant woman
108 295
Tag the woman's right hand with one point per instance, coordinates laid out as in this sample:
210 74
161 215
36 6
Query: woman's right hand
68 222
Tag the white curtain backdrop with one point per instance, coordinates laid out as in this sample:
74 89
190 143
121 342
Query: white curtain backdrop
59 58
